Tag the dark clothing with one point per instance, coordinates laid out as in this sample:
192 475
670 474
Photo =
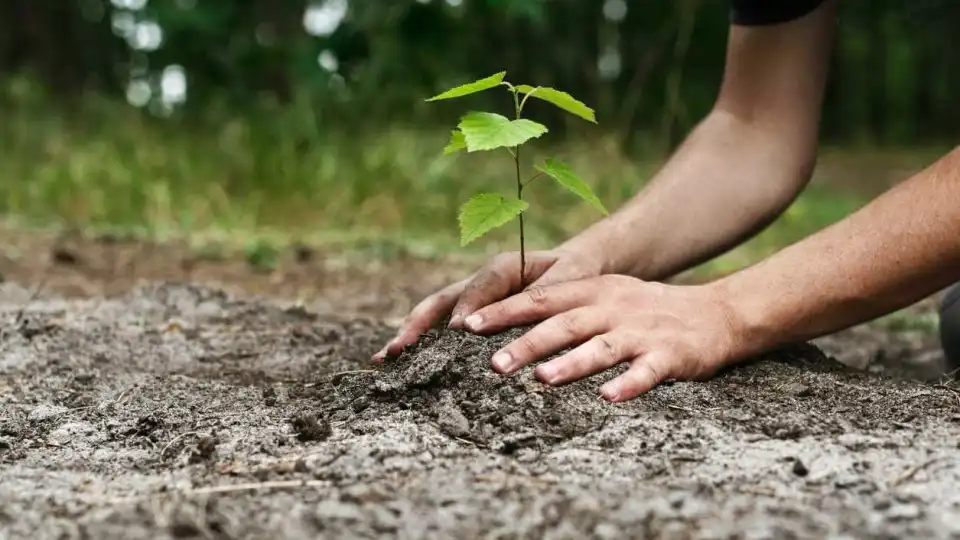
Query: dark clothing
763 12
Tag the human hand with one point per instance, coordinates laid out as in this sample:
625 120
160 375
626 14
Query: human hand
497 280
664 331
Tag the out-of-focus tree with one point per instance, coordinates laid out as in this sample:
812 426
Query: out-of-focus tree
649 68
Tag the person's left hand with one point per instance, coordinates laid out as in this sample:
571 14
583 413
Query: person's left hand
665 332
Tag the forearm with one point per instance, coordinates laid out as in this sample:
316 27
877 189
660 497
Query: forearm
726 182
895 251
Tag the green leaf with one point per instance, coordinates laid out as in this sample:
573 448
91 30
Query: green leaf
564 175
486 131
457 143
561 99
471 88
485 212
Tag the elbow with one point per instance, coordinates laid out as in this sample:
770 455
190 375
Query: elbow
784 147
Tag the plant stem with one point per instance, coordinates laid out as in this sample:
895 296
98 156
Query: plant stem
516 158
523 261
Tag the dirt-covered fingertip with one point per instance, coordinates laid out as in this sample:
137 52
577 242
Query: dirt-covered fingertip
456 321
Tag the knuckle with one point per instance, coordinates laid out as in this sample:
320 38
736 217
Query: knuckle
571 324
526 345
608 349
537 295
650 373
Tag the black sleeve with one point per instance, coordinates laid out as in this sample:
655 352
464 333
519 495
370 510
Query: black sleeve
764 12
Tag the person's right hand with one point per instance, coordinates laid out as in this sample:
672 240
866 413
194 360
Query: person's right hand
496 281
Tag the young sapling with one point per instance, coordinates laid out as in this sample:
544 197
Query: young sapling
483 131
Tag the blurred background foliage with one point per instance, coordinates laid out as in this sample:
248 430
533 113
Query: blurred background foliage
308 116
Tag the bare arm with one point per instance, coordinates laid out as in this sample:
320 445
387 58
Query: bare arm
741 166
900 248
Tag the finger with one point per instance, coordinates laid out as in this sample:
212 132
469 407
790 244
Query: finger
553 335
536 303
426 314
645 373
601 352
495 282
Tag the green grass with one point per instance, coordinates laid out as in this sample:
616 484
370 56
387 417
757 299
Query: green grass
277 176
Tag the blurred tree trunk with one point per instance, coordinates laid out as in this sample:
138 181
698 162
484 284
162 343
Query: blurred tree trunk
67 44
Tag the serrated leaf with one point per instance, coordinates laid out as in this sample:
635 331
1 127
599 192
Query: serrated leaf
471 88
485 212
564 175
486 131
456 144
561 99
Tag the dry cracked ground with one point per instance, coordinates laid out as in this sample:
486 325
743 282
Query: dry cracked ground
178 406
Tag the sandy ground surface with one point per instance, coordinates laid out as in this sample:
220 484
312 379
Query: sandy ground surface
132 409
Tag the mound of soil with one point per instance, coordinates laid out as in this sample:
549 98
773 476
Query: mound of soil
447 380
178 411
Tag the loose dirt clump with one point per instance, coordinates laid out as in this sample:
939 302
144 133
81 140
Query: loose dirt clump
446 379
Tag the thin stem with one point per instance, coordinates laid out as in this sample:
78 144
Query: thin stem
526 97
516 160
523 255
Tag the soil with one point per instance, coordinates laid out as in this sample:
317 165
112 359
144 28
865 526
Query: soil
184 410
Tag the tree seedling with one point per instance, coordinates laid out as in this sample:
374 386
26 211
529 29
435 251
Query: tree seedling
483 131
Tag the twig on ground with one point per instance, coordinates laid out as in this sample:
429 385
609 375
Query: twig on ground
276 484
175 439
121 396
679 408
955 391
912 471
351 372
757 490
471 443
691 411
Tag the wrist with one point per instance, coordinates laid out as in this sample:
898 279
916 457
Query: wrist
750 321
604 246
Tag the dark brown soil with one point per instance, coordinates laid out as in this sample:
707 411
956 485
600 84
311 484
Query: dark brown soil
177 411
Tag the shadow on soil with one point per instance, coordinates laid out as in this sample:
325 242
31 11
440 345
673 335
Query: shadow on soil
178 411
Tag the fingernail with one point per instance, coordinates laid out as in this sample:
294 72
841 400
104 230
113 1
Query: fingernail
456 321
474 321
546 374
503 361
379 355
611 390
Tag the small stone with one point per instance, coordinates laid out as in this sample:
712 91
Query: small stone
453 422
797 389
382 519
799 468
